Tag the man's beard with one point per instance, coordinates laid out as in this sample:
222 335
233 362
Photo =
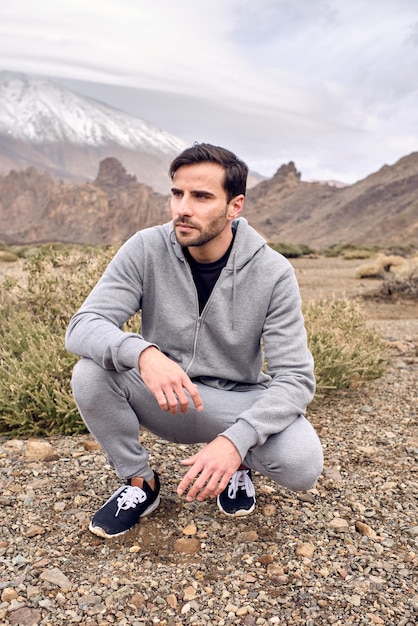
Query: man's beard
202 236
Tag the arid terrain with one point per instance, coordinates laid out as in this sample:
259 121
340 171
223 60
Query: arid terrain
344 553
324 277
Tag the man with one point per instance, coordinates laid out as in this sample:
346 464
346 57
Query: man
216 303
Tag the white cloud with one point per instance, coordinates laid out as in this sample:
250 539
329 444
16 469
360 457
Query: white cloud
330 84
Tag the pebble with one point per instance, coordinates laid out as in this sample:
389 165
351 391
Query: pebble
305 549
339 524
343 554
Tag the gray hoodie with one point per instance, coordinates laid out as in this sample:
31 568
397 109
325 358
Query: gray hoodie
252 318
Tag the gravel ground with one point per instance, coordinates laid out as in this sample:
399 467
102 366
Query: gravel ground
343 553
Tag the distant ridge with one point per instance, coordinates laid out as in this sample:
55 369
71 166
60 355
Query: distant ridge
56 130
380 210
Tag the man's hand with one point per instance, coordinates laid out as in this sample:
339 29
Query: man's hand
167 381
211 469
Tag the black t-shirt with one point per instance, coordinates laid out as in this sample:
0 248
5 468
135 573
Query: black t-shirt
205 275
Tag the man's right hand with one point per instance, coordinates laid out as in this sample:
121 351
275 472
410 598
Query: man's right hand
167 381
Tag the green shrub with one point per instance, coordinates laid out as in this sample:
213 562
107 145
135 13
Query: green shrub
345 350
350 251
35 395
35 308
291 250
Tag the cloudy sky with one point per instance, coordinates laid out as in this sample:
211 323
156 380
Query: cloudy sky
329 84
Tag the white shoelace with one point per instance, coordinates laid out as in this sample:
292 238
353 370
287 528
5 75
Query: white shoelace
241 480
129 498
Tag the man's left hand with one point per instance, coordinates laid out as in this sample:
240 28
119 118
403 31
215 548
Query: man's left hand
211 469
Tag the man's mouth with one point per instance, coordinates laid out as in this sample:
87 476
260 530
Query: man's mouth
184 226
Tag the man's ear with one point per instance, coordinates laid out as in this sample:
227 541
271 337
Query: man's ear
235 206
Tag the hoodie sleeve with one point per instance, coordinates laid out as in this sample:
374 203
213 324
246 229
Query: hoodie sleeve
290 366
95 331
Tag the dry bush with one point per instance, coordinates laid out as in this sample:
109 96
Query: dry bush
399 276
345 350
381 266
403 283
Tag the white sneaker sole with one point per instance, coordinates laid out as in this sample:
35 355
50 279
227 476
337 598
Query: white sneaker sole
239 513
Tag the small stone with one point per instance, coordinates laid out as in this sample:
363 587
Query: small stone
269 510
137 600
26 616
266 559
413 532
191 529
189 593
34 531
276 574
365 529
333 473
56 577
89 600
134 549
242 611
249 535
367 450
306 497
375 618
90 445
8 594
306 550
339 524
186 608
186 545
172 600
38 450
354 600
389 485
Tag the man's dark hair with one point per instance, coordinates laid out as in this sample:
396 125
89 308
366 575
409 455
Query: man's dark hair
236 171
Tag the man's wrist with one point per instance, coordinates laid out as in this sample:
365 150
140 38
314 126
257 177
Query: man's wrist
146 354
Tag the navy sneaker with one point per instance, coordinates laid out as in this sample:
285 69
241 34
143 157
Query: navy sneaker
124 508
238 497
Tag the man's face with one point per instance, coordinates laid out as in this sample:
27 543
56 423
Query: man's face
199 206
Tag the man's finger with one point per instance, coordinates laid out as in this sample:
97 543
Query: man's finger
162 400
187 478
195 395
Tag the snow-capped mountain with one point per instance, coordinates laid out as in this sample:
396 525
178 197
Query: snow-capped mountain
54 128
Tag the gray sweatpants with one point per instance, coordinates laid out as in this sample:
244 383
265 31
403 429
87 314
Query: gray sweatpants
114 405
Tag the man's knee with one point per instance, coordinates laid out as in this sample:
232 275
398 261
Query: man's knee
87 381
299 472
296 467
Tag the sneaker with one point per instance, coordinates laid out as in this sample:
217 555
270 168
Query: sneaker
124 509
238 497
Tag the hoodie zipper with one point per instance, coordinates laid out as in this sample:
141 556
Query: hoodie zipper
202 316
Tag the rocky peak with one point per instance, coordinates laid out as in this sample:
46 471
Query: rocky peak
287 174
113 174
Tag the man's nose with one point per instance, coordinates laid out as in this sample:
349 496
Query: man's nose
184 206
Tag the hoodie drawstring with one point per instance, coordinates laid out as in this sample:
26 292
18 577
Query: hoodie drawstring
234 288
